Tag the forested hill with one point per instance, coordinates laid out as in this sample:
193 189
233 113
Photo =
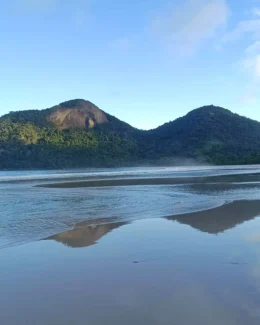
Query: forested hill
211 133
78 134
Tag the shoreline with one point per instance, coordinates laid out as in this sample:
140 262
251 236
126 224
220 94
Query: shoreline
229 178
213 220
127 166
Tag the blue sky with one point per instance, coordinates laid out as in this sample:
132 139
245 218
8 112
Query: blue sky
146 61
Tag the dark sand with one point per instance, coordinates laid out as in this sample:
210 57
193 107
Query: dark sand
201 268
226 179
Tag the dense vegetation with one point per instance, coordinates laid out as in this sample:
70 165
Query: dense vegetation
207 135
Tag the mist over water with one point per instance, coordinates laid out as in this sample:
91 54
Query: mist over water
100 173
30 213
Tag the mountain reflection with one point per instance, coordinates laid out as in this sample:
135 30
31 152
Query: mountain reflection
213 221
220 219
85 234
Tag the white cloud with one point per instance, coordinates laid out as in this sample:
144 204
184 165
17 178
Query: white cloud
184 28
244 27
253 48
251 60
252 65
248 31
256 12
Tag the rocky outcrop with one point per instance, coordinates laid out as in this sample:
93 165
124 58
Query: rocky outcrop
76 114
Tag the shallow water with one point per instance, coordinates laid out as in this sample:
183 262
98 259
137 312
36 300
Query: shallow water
182 253
152 271
30 213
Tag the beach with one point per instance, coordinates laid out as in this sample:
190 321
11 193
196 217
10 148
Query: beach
147 272
193 258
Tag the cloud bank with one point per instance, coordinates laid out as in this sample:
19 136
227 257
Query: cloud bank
248 31
184 28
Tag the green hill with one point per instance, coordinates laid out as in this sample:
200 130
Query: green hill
209 133
78 134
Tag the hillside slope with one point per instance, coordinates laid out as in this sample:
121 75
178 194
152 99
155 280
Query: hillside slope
78 134
77 113
209 133
72 134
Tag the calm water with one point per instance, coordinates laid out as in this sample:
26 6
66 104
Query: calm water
144 255
152 271
29 213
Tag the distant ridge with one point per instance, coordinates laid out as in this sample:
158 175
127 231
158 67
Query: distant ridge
77 133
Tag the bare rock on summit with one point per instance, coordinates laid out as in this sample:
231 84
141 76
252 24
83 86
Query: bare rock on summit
76 114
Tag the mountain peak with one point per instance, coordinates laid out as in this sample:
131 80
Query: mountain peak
76 103
210 111
76 113
211 108
35 138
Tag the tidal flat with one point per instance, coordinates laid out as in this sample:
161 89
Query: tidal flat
142 254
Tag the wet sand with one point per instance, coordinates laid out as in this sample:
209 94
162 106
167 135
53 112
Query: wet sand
201 268
225 179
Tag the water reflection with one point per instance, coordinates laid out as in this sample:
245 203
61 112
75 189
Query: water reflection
213 221
86 234
220 219
182 276
169 191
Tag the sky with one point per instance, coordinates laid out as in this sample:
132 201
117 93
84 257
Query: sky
147 62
